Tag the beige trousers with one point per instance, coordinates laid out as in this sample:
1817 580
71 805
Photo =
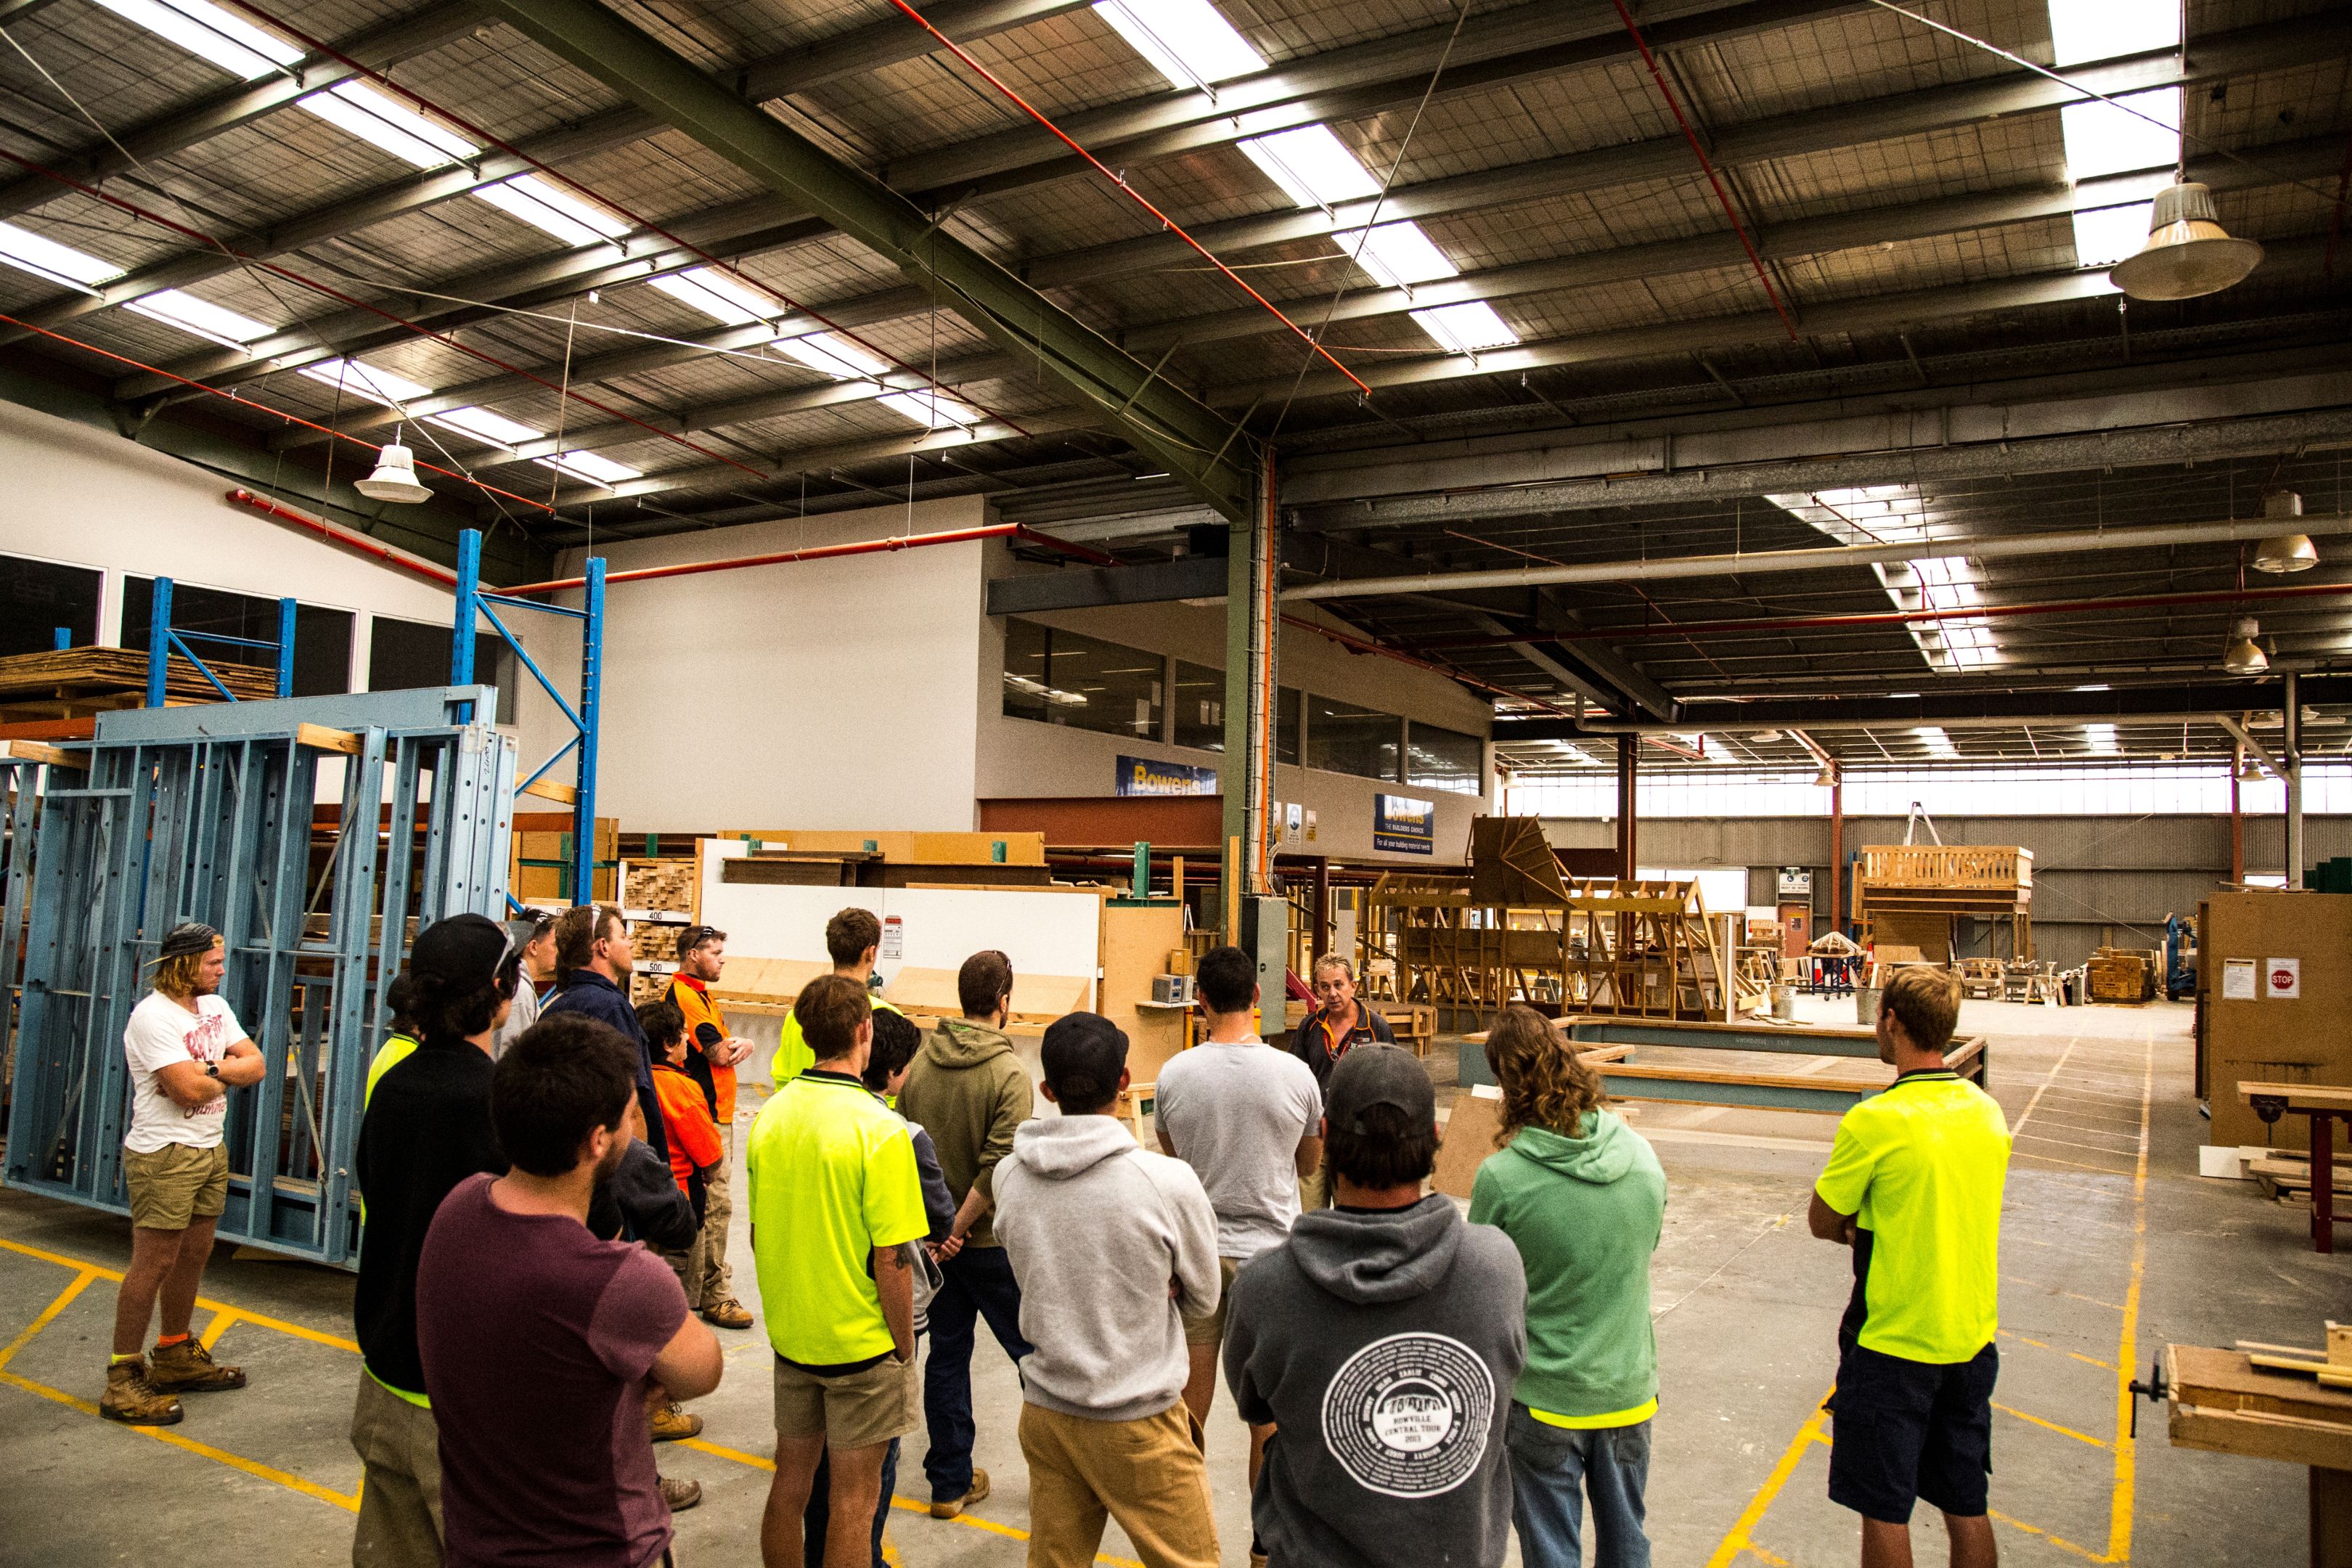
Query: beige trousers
1148 1473
400 1487
714 1280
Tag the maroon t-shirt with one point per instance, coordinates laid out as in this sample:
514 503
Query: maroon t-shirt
537 1340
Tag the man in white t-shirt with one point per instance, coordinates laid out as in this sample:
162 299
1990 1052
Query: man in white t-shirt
1246 1116
187 1051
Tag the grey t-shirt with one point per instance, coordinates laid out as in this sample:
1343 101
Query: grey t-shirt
1234 1111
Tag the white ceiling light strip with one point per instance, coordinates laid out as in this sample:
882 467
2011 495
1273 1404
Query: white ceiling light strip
356 378
388 125
201 317
1938 744
588 466
28 252
1901 514
1188 41
2102 139
210 33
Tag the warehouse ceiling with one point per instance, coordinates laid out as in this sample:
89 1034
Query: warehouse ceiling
1508 315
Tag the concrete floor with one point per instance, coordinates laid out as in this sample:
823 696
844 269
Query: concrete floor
2101 1265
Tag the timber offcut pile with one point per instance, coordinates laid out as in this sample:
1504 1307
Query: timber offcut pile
665 885
2125 974
78 680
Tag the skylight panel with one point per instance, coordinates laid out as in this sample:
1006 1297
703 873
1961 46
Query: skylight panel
551 210
235 44
1188 41
596 469
1938 744
366 381
2102 139
1466 328
1398 254
2102 739
480 423
29 252
2101 29
2109 234
201 317
388 125
835 356
1313 167
720 297
932 408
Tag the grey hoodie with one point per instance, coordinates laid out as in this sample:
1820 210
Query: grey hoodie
1095 1228
1384 1345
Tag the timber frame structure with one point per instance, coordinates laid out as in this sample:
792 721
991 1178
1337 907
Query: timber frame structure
1896 885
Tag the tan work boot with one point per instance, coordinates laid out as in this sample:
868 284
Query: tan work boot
189 1368
727 1313
670 1423
129 1398
976 1492
680 1493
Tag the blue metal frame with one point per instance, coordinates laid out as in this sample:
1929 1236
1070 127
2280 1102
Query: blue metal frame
473 602
207 813
162 640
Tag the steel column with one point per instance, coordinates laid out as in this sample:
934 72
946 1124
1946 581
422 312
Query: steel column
2291 750
159 641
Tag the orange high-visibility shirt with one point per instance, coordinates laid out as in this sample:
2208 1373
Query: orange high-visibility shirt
685 1117
704 1028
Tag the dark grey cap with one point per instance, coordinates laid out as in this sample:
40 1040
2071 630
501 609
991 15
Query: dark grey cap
187 937
1374 1075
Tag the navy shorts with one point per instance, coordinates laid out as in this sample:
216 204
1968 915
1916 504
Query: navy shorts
1910 1430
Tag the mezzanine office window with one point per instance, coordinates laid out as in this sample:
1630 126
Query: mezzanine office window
1343 738
1056 676
1444 759
1200 712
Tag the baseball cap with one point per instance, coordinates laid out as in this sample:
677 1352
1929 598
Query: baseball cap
1082 1053
460 953
1374 1075
187 937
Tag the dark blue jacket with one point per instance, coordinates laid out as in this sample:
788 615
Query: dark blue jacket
590 994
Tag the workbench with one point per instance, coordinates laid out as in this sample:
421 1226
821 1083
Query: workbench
2223 1403
2323 1103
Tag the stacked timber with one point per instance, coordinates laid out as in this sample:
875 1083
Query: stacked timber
68 682
2125 974
665 885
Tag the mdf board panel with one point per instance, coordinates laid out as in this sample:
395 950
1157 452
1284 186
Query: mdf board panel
1930 934
770 919
1136 942
1045 931
2304 1039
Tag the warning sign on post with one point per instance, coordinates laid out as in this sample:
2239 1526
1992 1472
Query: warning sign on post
2282 978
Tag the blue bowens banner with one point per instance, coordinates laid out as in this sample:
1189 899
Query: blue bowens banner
1402 825
1140 775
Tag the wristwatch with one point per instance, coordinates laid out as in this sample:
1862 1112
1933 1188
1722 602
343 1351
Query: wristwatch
212 1069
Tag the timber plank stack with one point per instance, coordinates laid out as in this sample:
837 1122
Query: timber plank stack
2122 975
67 682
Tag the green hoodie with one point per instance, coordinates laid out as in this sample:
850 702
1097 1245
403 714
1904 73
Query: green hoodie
1585 1214
968 1089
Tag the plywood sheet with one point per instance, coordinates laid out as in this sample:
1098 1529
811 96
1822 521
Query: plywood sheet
1470 1131
1037 998
2306 1040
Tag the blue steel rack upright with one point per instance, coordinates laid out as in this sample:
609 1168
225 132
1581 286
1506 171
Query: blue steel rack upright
474 599
162 639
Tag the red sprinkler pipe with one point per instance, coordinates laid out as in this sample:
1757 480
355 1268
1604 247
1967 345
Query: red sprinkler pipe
829 552
345 537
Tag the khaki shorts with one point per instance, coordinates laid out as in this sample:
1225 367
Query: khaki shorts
1209 1328
856 1410
177 1185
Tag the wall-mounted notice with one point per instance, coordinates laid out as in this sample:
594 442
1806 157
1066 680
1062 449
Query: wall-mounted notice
1795 882
2238 980
894 940
1404 825
1141 776
2282 978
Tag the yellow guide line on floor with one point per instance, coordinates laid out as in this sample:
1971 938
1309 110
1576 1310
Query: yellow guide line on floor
1733 1544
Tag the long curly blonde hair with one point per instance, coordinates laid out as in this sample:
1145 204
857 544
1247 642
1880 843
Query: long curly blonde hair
1544 1082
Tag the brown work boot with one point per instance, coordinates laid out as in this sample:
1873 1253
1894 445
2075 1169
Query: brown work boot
680 1493
671 1423
976 1492
129 1398
189 1368
727 1313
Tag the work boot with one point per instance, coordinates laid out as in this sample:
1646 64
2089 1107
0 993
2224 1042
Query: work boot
727 1313
189 1368
680 1493
976 1492
129 1398
670 1423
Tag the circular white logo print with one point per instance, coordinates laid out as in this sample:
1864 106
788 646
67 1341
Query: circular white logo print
1408 1415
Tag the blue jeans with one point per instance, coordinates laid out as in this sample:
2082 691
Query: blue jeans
978 1283
1552 1469
818 1518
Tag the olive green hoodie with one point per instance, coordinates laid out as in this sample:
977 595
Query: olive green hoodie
968 1089
1585 1213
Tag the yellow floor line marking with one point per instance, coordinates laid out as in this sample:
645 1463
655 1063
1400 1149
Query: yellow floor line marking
241 1314
2119 1512
2058 1540
2051 1426
47 1315
1739 1540
217 1327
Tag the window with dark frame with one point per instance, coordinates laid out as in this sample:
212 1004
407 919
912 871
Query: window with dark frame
1346 738
37 597
404 654
322 638
1056 676
1444 759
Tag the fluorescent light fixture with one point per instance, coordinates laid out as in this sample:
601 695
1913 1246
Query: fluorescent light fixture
552 210
588 466
366 381
1313 167
2101 139
1466 328
1188 41
28 252
836 357
1939 745
1398 254
1862 514
481 424
201 317
720 297
928 407
387 124
2102 738
237 46
2101 29
2108 235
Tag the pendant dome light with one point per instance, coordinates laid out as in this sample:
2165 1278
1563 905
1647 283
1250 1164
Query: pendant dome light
2284 552
395 479
2245 656
2188 253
